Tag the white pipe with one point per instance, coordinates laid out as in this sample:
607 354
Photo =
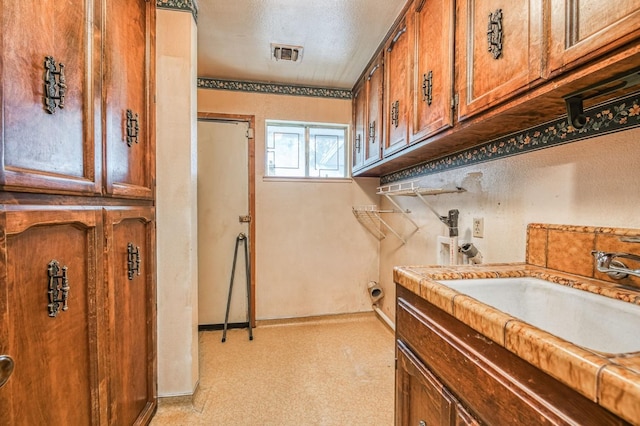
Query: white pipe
384 317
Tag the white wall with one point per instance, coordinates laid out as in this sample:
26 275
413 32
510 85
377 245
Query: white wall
176 201
591 182
312 256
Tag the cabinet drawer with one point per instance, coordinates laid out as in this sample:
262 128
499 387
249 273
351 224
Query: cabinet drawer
498 386
49 266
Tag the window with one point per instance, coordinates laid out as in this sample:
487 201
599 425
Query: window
306 150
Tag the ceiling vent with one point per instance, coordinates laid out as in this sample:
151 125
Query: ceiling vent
283 52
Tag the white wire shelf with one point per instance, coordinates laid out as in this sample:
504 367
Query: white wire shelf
412 189
370 215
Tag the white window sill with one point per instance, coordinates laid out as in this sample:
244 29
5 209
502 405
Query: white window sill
306 180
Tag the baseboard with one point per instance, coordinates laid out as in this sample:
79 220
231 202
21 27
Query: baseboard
211 327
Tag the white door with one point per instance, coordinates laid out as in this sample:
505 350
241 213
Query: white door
223 197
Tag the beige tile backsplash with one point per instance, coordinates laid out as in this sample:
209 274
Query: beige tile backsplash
567 248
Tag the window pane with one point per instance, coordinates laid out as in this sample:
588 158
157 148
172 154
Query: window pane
326 152
285 151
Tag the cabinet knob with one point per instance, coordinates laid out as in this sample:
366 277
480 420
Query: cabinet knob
6 369
422 423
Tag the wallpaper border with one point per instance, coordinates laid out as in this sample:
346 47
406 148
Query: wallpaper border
273 88
182 5
621 114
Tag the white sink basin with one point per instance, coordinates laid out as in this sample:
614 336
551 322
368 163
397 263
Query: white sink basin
586 319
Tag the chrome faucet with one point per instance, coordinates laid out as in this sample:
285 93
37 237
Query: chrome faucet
607 262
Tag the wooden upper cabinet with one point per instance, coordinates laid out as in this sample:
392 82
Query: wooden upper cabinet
582 30
432 67
359 125
500 51
49 268
130 266
375 84
397 101
50 145
129 66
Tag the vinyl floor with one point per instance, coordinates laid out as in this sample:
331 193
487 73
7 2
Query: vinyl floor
321 371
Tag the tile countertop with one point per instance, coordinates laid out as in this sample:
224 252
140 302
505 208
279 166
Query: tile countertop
611 380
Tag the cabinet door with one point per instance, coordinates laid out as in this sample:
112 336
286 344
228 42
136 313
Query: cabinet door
130 267
420 398
433 68
128 76
500 47
49 146
53 343
375 83
359 124
396 103
581 30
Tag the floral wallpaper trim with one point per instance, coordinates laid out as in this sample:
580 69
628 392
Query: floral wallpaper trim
184 5
272 88
623 113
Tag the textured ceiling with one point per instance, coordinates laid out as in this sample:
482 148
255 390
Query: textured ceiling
339 38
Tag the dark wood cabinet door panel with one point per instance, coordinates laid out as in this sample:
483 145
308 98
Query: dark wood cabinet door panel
129 113
359 125
130 262
500 47
420 398
397 102
43 151
582 30
56 379
373 130
432 68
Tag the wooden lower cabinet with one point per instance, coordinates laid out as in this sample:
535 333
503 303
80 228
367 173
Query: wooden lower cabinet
421 398
53 345
131 283
79 334
447 374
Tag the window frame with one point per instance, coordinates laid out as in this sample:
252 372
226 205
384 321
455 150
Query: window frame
307 126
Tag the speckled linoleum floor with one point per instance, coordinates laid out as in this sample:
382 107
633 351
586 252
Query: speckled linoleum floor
328 371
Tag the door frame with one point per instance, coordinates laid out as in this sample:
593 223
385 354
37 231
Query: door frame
251 121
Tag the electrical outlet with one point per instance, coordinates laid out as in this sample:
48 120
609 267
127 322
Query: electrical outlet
478 227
